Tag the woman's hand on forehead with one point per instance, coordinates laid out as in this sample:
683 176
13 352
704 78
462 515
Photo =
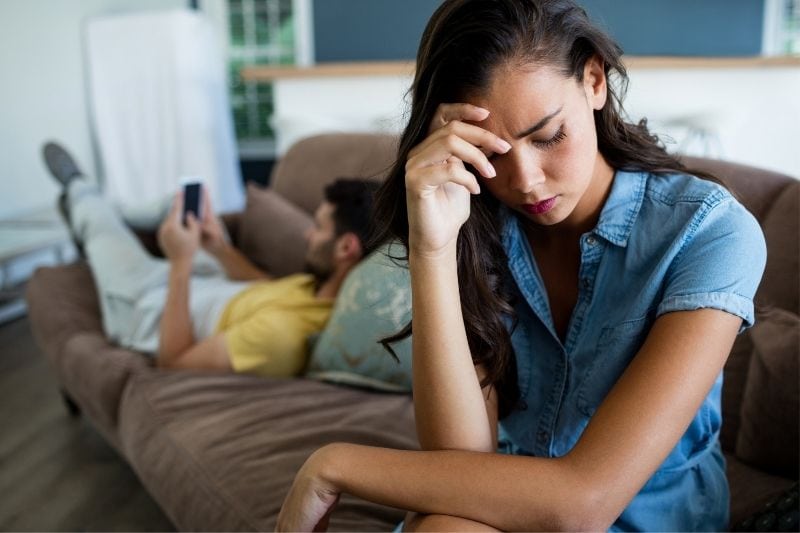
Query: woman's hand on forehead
438 183
455 138
447 113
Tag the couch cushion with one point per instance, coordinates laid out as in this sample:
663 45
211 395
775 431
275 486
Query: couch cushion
219 452
302 172
780 285
770 417
374 302
750 488
271 232
735 378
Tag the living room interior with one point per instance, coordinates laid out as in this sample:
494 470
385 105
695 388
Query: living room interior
266 101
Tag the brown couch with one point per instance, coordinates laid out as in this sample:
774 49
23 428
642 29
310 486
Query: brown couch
219 452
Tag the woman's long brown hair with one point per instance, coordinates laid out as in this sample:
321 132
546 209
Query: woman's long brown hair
464 44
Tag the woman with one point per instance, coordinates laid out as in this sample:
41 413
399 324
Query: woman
601 288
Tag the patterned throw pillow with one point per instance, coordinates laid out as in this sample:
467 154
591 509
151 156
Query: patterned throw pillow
374 302
780 514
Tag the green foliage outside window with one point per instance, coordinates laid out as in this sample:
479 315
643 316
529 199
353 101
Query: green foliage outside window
792 29
261 33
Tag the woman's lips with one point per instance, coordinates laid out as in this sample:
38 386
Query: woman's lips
540 207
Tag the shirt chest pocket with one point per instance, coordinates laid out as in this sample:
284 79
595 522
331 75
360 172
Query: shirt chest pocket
616 347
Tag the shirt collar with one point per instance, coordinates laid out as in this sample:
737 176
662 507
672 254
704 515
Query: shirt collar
622 207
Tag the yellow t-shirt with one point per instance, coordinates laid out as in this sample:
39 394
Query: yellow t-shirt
266 326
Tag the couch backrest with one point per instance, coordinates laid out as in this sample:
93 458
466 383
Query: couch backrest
302 173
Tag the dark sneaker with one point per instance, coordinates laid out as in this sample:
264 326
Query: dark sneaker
60 164
63 209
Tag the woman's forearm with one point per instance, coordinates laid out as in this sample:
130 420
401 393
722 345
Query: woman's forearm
511 493
175 332
448 402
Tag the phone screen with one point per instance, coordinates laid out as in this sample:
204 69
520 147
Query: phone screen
191 201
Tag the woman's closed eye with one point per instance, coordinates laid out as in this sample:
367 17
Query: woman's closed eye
559 136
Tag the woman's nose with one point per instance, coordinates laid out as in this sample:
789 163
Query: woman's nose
525 174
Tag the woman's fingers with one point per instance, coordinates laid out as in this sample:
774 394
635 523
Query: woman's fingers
452 145
421 179
483 140
447 113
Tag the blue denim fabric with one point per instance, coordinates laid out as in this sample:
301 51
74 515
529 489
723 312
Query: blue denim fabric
662 244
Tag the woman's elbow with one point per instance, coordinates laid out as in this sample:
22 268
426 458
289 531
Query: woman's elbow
586 510
586 503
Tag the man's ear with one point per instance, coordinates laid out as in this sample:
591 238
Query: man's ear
594 82
348 247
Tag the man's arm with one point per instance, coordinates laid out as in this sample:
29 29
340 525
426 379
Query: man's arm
177 347
215 241
237 266
175 332
209 354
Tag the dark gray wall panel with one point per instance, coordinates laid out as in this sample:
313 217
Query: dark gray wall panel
375 30
682 27
369 30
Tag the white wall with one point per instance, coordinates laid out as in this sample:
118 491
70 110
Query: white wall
752 114
43 92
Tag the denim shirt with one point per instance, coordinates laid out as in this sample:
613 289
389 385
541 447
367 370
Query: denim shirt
662 244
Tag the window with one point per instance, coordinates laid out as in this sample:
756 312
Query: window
791 25
262 32
781 27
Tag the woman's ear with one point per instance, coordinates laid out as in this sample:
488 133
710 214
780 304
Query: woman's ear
594 82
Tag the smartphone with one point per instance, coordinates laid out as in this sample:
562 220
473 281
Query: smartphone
192 196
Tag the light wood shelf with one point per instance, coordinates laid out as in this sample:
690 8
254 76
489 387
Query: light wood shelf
400 68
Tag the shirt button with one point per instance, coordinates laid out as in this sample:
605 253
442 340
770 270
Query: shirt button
542 436
591 241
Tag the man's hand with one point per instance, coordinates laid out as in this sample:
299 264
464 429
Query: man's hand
178 242
213 236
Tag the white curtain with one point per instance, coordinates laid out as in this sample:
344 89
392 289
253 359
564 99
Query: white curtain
160 107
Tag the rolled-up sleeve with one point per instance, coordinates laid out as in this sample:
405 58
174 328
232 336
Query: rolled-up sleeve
720 264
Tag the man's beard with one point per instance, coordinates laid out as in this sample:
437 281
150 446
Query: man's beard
319 263
321 273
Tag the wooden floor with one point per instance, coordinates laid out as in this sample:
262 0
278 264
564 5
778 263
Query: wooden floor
56 472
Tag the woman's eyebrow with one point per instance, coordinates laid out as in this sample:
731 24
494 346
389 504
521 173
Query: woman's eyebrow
539 125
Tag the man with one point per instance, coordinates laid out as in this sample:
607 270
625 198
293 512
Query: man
238 318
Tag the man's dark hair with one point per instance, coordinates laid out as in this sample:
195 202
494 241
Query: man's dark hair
352 200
